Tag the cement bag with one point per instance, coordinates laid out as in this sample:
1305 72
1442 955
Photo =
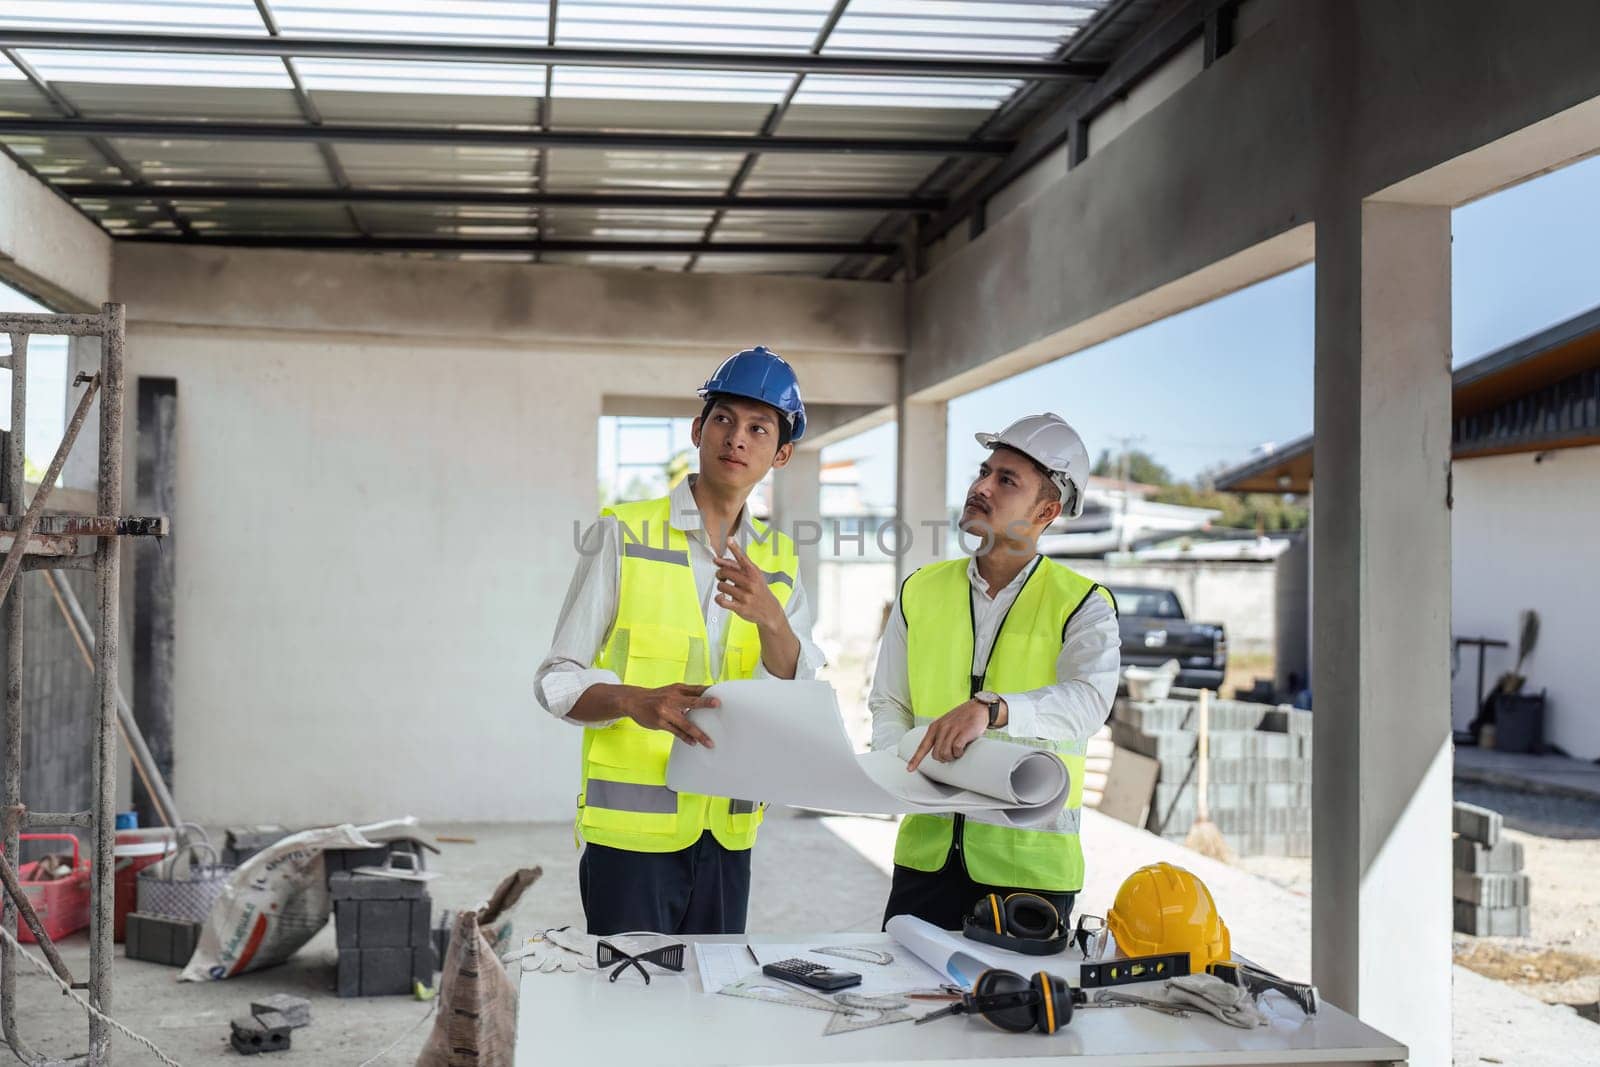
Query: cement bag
476 1025
277 900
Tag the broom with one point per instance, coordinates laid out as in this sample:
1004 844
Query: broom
1204 837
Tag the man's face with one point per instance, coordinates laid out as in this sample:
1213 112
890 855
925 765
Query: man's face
1004 503
738 442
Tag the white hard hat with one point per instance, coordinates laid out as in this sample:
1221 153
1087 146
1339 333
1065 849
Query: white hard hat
1050 442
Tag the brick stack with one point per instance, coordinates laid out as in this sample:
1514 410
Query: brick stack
383 932
1491 890
1260 769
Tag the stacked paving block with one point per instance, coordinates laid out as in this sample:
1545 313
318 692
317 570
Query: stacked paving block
1260 793
242 842
1490 888
383 932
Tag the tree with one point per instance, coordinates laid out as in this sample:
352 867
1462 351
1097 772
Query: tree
1142 467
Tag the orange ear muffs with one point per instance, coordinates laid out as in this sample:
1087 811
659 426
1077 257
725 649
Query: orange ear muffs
1021 922
1017 1004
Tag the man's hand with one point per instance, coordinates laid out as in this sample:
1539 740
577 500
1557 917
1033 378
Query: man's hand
949 735
668 709
742 589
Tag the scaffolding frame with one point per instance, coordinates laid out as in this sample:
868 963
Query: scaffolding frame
38 543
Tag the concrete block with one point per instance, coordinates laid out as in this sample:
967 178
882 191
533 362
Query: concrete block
1492 890
1490 922
441 936
242 842
158 939
375 972
296 1011
255 1034
1162 745
345 885
1474 858
1477 824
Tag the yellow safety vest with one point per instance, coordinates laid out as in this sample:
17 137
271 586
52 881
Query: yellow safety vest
657 639
937 603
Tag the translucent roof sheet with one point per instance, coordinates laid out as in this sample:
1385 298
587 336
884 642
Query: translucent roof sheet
619 101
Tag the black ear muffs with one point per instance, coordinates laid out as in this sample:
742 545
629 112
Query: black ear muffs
1021 922
1011 1002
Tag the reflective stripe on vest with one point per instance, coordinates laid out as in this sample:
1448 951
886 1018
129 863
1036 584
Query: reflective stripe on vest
659 638
937 603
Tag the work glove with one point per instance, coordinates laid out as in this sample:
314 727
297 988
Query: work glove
550 951
1210 994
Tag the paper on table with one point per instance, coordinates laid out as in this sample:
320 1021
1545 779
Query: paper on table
722 964
960 960
906 974
783 742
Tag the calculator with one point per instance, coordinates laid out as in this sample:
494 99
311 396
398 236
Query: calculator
815 975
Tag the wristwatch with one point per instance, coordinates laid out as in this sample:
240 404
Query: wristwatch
983 696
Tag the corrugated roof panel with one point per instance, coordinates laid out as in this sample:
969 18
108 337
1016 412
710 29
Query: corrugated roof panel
480 166
522 21
906 94
680 116
454 79
860 173
625 224
147 16
996 30
158 68
692 24
618 170
635 83
814 120
99 100
266 217
64 159
742 263
505 221
19 98
188 161
425 109
756 225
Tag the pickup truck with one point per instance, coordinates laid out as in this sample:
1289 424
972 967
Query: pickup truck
1155 630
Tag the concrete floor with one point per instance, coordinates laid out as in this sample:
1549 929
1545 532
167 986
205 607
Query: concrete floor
811 874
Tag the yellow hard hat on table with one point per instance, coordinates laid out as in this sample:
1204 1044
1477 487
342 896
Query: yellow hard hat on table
1163 909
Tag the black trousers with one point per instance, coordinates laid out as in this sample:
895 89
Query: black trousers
703 889
945 897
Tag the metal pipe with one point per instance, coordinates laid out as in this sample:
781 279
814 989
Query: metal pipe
59 563
143 762
495 137
93 525
12 608
555 55
26 322
50 820
496 198
108 574
30 520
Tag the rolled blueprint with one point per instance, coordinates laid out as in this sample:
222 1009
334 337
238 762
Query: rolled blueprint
784 742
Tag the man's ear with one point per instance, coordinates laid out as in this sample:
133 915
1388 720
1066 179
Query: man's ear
1047 512
694 430
781 457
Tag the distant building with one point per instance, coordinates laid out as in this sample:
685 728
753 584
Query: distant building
1119 515
1525 521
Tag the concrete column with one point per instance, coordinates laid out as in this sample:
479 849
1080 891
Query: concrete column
1381 850
797 511
920 455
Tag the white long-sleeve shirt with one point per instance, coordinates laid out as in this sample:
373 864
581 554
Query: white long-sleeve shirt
590 610
1072 709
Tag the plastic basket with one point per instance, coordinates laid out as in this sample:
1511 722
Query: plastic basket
183 892
62 904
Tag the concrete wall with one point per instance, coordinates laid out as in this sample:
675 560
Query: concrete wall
48 249
1525 536
378 515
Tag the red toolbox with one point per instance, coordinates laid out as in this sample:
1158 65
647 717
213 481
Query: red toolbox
62 904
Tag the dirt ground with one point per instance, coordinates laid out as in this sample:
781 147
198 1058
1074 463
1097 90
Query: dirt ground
1560 962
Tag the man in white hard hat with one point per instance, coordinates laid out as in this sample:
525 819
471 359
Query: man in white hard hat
1005 643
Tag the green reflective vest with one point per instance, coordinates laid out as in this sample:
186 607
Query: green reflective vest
937 602
657 639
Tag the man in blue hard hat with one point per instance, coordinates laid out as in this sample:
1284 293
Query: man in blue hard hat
672 595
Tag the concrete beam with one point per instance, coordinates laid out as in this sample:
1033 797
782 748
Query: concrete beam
1361 95
48 249
571 307
829 423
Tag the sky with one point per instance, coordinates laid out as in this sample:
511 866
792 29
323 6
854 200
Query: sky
47 384
1208 386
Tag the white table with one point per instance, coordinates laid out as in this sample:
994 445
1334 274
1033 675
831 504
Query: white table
584 1019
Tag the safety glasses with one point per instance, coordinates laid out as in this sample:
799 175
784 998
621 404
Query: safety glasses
1091 936
668 957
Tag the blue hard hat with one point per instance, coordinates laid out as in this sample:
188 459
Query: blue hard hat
761 374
